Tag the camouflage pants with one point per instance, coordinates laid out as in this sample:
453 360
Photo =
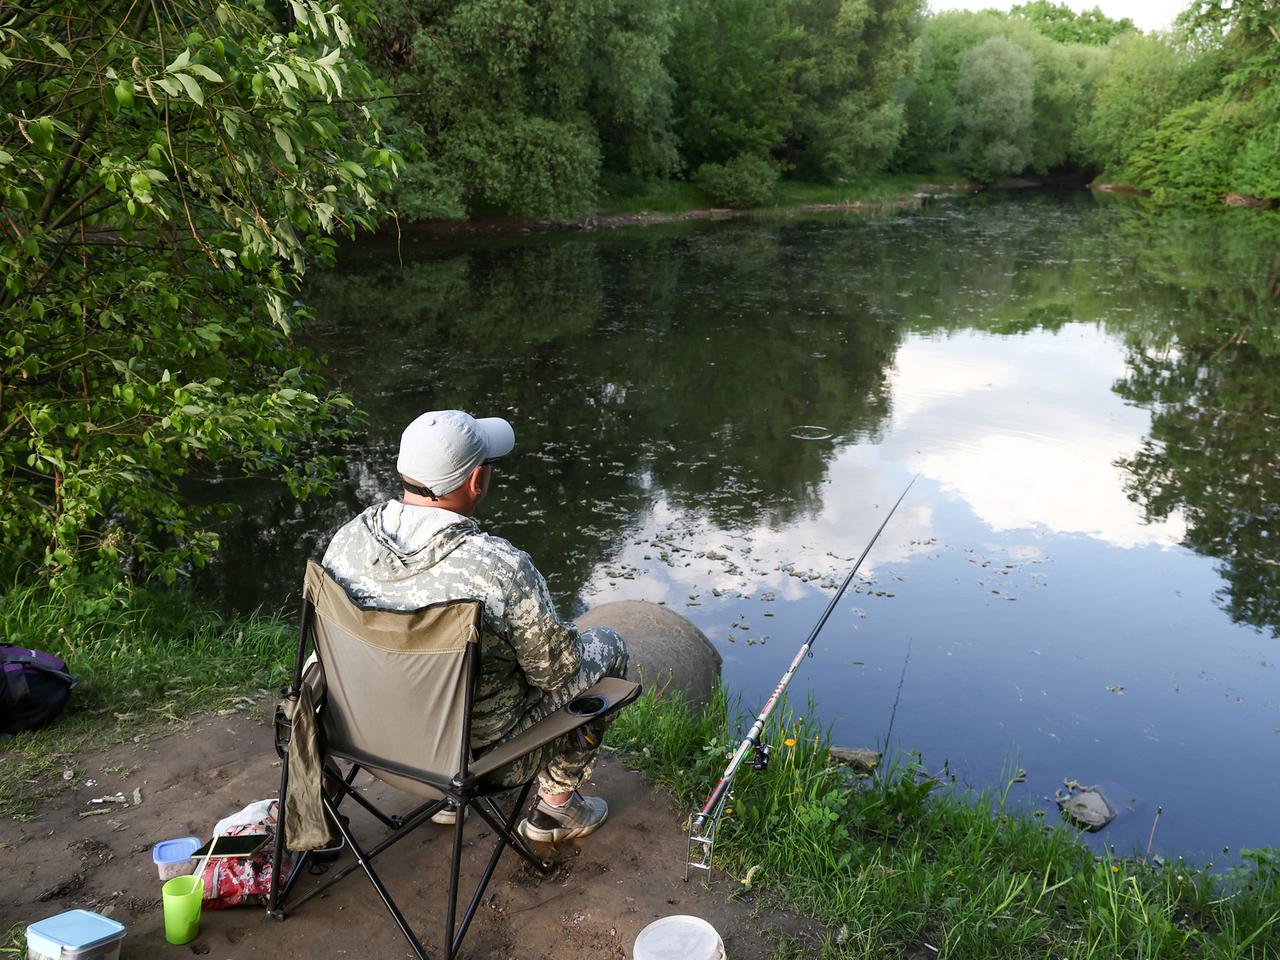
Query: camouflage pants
561 765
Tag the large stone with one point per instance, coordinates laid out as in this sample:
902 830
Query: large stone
859 759
1088 809
667 651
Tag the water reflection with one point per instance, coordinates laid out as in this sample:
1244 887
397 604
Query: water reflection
1087 391
1027 432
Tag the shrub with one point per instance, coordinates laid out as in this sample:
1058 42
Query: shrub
745 181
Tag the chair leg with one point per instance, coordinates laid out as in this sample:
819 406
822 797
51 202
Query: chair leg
363 861
507 829
275 909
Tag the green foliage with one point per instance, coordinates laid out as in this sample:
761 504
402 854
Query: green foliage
143 658
512 107
940 123
1195 116
167 174
1139 86
816 82
745 181
994 96
632 94
1256 172
1059 22
853 56
890 861
729 61
1191 152
929 117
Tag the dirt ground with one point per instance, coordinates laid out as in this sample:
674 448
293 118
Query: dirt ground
603 893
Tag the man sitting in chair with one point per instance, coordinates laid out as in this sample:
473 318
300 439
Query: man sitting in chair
426 548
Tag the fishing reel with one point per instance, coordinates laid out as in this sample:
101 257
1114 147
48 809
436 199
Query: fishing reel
760 759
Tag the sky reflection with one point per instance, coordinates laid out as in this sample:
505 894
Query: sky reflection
1026 430
1016 612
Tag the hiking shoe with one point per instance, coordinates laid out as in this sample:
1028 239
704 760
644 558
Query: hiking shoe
578 817
447 816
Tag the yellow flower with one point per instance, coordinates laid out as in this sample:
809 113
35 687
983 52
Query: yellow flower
1115 869
790 741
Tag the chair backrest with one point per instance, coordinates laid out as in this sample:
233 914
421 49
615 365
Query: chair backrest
398 684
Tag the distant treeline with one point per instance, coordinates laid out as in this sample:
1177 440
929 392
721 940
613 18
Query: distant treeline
538 107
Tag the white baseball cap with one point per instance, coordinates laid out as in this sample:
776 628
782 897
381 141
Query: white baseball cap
441 448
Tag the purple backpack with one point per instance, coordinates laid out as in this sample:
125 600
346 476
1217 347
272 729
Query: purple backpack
34 687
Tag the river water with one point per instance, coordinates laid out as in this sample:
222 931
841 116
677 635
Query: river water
1084 583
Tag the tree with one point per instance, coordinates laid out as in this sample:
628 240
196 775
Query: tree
1063 75
994 96
1137 88
853 57
519 103
167 174
728 58
1059 22
630 94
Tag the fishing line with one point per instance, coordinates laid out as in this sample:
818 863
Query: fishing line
898 696
703 823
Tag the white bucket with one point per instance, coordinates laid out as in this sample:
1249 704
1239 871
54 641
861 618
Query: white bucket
678 938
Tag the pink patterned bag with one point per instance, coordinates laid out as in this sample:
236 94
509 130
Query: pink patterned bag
243 881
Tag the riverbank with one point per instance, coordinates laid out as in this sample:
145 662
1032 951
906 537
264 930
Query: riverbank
677 201
897 862
77 854
144 661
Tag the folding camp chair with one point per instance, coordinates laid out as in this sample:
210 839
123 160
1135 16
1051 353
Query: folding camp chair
393 698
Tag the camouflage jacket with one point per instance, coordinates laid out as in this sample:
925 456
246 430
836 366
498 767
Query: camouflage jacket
400 557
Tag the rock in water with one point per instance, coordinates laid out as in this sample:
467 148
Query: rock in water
1088 809
667 651
860 759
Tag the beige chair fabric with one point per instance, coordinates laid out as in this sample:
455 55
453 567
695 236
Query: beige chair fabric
308 824
394 682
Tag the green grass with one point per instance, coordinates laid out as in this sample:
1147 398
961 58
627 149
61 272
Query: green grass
891 863
13 942
622 194
885 188
145 661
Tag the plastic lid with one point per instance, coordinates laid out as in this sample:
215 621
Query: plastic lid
74 930
175 851
678 938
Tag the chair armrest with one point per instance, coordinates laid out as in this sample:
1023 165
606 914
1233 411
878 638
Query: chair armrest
612 694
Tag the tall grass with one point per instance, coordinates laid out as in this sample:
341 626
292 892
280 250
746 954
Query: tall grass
143 659
895 866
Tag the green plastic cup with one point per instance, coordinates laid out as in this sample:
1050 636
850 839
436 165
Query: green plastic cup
182 897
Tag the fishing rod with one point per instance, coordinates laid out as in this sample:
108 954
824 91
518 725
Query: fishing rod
702 825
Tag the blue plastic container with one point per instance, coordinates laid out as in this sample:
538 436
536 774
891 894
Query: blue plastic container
173 857
75 935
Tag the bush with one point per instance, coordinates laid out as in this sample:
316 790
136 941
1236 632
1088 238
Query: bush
745 181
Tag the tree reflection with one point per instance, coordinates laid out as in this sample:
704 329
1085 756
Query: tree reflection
674 364
670 364
1210 372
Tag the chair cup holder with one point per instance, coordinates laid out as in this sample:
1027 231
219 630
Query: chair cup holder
585 706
